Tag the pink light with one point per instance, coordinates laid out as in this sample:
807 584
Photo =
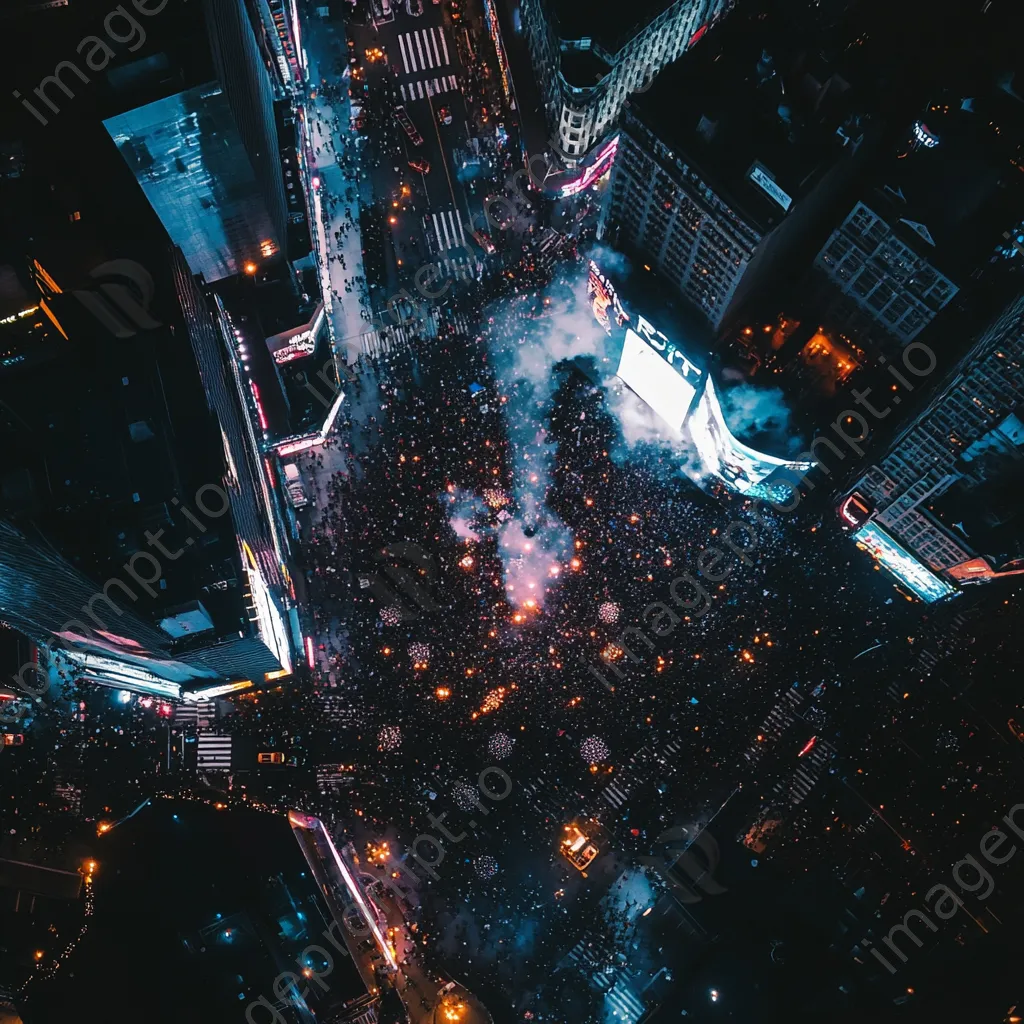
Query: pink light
301 445
601 163
316 183
259 404
808 746
310 656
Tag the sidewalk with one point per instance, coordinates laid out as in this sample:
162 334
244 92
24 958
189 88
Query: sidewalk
339 192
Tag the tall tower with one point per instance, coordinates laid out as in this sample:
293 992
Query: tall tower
250 93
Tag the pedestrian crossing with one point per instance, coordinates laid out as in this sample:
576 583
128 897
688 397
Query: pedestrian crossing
645 765
778 720
423 49
420 90
448 230
622 1004
807 774
214 752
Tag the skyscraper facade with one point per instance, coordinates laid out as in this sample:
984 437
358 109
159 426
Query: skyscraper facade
589 58
936 508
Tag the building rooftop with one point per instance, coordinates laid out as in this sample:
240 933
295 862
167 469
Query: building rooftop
755 128
607 23
957 181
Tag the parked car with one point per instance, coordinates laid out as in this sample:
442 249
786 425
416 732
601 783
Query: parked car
484 241
270 757
423 166
414 7
444 115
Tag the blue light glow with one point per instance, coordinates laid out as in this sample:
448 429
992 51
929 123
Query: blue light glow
902 564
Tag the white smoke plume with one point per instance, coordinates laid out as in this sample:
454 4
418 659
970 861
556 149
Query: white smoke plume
465 511
750 411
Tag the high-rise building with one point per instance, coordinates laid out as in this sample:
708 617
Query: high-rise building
938 509
211 157
135 549
588 58
723 170
927 224
247 84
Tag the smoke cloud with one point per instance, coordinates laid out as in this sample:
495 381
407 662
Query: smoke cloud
751 412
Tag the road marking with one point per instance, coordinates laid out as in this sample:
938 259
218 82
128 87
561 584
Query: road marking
419 50
455 231
444 45
430 88
405 63
401 90
462 233
452 83
419 89
437 232
433 42
444 228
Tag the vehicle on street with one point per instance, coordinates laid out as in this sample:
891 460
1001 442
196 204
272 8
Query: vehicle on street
484 241
402 117
1015 730
423 166
297 497
13 739
444 115
414 7
270 757
453 10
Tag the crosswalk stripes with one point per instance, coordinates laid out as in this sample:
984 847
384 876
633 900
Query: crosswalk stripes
423 49
423 88
623 1004
213 752
448 231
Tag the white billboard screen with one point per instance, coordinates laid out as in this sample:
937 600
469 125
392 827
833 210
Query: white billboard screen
658 372
733 462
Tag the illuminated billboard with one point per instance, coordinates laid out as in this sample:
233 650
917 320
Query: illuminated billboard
731 461
658 372
603 299
902 564
602 162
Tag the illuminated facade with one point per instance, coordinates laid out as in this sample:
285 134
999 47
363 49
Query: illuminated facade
882 287
188 156
713 187
922 493
589 59
684 396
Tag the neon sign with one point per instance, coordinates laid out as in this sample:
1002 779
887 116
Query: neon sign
602 162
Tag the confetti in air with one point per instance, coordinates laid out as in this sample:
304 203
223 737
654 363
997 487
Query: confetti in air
608 612
391 615
500 746
389 739
420 654
594 750
464 795
485 866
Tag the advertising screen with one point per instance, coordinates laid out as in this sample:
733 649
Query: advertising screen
902 564
658 372
731 461
603 300
601 163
